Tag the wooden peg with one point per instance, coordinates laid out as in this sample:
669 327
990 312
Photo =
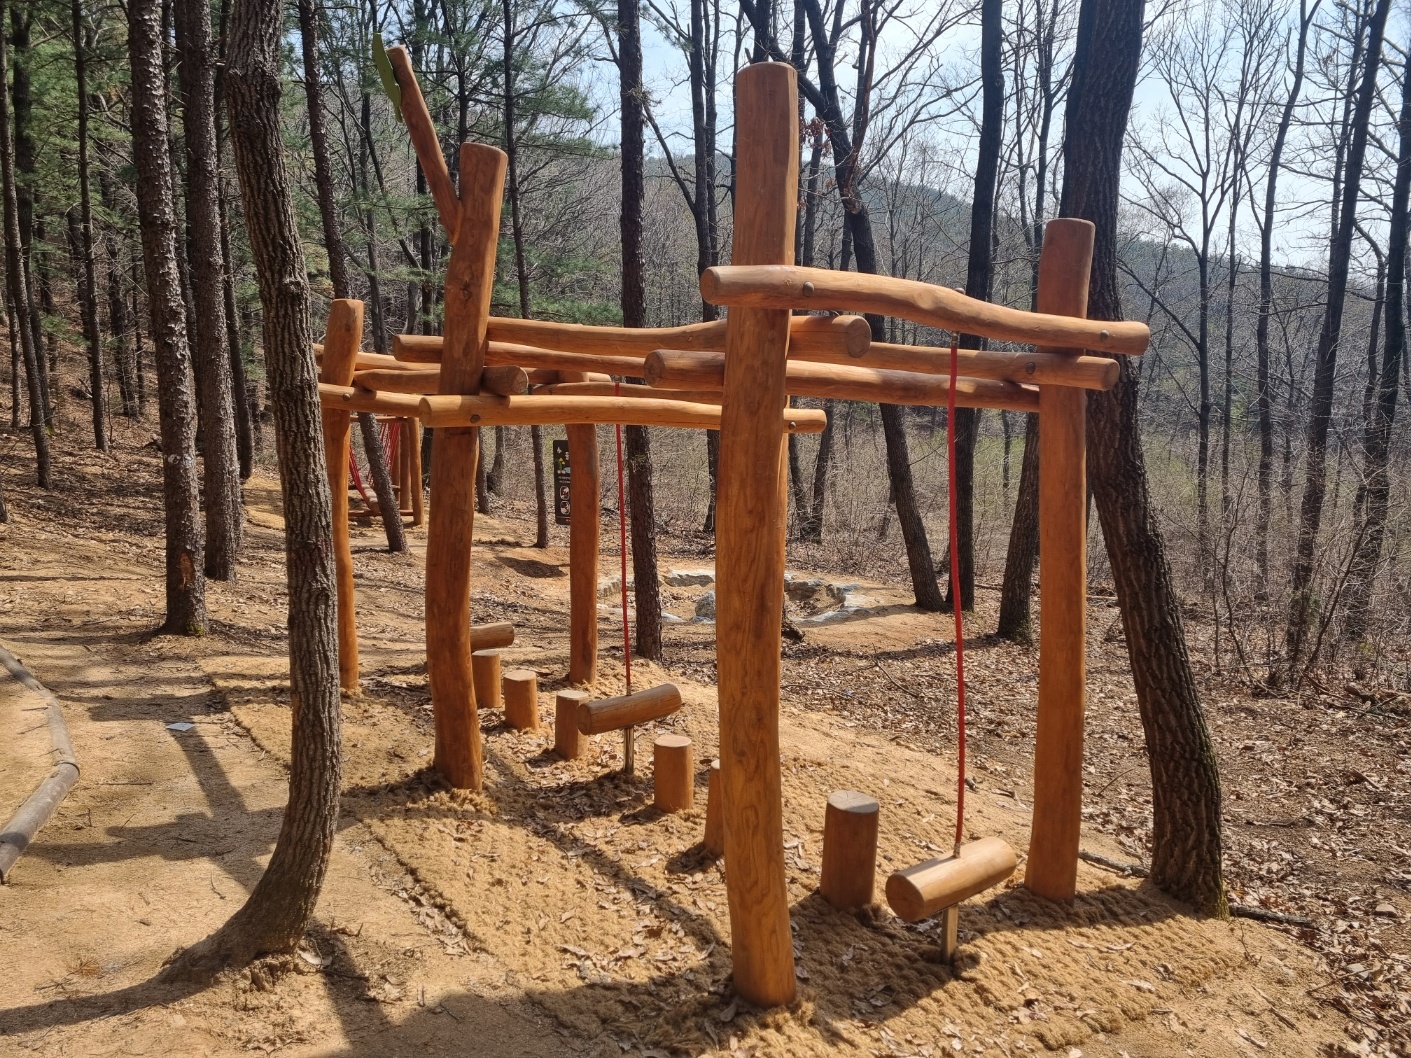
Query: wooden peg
673 773
849 850
521 695
714 839
485 672
569 742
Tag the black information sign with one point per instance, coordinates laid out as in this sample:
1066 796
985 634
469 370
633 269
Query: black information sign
561 469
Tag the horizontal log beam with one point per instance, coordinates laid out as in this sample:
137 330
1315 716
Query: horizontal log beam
613 714
365 361
505 380
681 368
489 636
535 410
350 399
808 335
1033 367
613 389
789 287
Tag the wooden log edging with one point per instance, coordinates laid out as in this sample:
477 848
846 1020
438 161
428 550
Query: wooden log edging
788 287
37 809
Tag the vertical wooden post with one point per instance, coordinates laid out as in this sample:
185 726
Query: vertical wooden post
485 677
673 773
1052 868
750 524
569 742
470 275
584 501
714 837
413 442
521 698
849 871
340 355
404 467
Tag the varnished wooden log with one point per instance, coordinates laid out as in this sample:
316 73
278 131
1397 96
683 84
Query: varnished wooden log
470 276
714 838
569 742
628 710
750 526
485 674
849 850
842 382
821 336
919 892
344 335
1052 867
614 389
490 636
349 398
673 773
505 380
418 477
426 142
584 505
367 361
535 410
520 689
766 286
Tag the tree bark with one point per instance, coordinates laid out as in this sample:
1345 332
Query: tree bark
1186 839
21 18
1374 491
1302 603
118 324
14 280
642 511
225 513
1016 590
278 911
185 579
88 278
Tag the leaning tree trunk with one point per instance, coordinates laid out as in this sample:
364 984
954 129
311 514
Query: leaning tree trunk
278 911
338 268
14 280
1185 781
186 584
1301 605
641 507
220 456
1374 493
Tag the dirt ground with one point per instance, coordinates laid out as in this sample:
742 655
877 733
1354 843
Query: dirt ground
559 913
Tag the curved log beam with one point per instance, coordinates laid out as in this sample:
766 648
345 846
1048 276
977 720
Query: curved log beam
791 287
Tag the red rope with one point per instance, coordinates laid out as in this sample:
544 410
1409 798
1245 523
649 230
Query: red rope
955 596
622 547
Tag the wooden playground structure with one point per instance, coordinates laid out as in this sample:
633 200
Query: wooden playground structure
735 377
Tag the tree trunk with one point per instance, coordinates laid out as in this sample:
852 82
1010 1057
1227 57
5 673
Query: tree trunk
14 280
641 508
1374 492
21 17
338 267
88 279
1186 839
278 911
185 580
220 458
123 355
1320 416
1017 588
979 274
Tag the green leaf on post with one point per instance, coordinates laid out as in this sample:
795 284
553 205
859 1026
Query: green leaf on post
387 75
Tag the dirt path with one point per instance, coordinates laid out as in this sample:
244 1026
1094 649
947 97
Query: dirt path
557 912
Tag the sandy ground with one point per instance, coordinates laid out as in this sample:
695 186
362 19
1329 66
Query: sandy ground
557 912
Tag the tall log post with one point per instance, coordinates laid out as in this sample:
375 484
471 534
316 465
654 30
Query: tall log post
340 357
750 525
584 501
413 441
1052 868
470 275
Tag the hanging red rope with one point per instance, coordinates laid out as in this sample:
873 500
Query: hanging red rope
955 596
622 548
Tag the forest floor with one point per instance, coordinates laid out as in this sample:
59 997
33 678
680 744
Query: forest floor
559 913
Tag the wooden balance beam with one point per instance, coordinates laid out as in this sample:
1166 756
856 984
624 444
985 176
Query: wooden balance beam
809 335
834 381
450 411
784 287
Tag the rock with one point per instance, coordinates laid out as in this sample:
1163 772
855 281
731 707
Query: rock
689 578
705 607
613 586
1387 911
671 619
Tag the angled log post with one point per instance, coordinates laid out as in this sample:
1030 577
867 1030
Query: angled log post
470 275
340 357
750 525
1052 867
